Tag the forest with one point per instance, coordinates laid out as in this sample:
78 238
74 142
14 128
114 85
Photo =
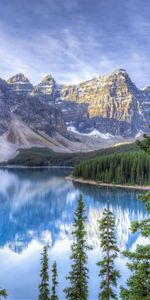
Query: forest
131 167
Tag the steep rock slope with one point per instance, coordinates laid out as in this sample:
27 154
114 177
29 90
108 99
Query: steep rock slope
16 99
20 84
93 114
113 104
110 103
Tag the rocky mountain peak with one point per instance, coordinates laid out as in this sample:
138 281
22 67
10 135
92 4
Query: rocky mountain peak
120 72
46 86
3 83
121 75
18 78
146 89
20 84
48 79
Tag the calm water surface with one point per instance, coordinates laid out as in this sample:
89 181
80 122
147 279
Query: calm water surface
36 207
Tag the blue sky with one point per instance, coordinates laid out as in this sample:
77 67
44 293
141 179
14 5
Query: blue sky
75 40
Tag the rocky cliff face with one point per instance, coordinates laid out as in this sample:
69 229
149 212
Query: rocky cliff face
20 84
110 104
16 99
114 104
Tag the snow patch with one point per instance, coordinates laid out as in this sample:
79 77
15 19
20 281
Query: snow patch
94 132
139 134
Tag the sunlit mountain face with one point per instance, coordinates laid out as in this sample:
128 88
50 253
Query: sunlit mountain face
37 207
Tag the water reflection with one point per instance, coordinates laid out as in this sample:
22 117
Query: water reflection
37 205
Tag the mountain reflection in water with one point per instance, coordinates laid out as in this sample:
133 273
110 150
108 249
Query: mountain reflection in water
37 206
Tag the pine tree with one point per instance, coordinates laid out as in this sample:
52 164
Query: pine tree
145 144
44 285
3 294
78 276
121 168
54 282
138 284
108 273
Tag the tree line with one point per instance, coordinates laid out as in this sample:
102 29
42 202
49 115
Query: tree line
120 168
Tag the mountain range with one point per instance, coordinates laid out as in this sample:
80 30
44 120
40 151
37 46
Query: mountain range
94 114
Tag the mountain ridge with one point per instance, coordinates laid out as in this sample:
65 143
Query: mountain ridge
108 107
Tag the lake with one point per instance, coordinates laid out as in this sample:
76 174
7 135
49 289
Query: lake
37 207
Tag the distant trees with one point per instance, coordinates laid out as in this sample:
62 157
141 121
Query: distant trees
3 294
78 276
108 272
44 285
54 282
120 168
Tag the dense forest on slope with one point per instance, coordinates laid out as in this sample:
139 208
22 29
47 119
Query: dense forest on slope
47 157
131 167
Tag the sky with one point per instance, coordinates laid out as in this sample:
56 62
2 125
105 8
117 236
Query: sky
75 40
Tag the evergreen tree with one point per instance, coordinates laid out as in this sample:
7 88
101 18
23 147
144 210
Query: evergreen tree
3 294
138 284
121 168
44 285
78 276
145 144
107 268
54 282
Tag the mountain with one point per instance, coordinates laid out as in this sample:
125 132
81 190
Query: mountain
16 99
110 104
96 113
20 84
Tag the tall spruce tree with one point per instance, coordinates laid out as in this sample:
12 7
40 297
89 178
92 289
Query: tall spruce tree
3 294
108 272
54 282
78 276
138 284
44 285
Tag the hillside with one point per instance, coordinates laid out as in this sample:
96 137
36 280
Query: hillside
47 157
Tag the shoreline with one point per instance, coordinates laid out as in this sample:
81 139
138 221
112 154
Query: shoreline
97 183
34 167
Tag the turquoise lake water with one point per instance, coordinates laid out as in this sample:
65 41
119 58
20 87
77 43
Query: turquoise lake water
37 207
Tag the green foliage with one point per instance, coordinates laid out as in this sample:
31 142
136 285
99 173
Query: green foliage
139 282
144 226
120 168
47 157
3 294
108 273
44 285
78 276
54 282
145 144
